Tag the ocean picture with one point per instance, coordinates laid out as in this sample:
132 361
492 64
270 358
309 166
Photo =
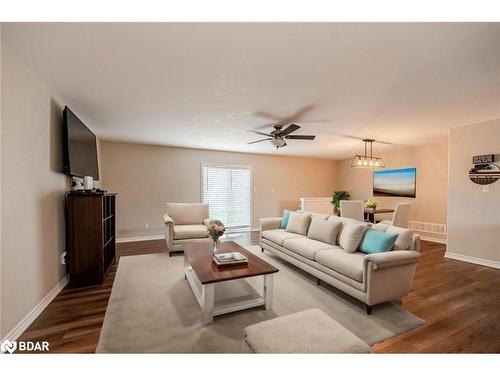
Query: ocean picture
395 182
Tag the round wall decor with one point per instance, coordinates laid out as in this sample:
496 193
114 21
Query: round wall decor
484 171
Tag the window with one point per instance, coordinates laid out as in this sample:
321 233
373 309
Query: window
227 190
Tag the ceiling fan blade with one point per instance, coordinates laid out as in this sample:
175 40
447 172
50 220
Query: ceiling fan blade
297 116
361 138
260 140
290 129
267 115
319 121
305 137
261 133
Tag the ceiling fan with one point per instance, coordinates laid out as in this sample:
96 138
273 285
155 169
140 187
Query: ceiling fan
279 135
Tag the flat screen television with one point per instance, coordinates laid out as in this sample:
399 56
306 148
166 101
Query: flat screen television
395 182
79 147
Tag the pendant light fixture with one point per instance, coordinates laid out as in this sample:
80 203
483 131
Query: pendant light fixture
367 160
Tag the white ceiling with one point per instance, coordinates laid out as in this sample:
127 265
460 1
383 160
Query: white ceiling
202 85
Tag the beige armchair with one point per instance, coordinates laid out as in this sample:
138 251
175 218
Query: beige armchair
185 223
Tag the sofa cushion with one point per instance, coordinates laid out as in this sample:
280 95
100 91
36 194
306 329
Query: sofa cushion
376 241
404 237
190 231
324 230
298 223
351 235
344 221
305 246
278 235
348 264
187 213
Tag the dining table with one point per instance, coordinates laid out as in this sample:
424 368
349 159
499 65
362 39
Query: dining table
371 212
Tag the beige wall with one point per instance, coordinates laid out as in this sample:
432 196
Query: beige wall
474 215
431 161
32 203
146 177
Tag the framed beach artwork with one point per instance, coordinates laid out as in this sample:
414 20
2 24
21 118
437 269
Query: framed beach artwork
395 182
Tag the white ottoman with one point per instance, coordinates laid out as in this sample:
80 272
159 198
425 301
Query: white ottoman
309 331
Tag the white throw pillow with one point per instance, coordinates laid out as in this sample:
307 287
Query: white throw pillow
351 236
324 230
298 223
380 227
404 237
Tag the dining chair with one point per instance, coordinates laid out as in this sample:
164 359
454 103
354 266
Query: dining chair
352 210
401 216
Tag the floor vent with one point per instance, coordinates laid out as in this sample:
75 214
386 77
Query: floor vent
428 227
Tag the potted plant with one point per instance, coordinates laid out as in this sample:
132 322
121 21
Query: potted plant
337 197
371 204
215 230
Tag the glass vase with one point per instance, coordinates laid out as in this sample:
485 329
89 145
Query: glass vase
215 245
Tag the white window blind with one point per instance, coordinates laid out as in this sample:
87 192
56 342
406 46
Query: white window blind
227 190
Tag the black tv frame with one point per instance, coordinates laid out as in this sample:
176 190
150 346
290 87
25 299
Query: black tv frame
65 146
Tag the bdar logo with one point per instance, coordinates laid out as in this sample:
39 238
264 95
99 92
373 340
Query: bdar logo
8 346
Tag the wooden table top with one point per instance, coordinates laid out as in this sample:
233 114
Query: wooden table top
379 210
200 257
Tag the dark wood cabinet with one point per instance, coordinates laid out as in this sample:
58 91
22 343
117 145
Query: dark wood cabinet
90 236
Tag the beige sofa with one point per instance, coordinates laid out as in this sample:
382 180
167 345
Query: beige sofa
185 223
371 278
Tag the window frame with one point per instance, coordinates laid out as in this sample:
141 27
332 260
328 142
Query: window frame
230 166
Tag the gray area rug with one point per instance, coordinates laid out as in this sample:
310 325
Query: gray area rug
153 310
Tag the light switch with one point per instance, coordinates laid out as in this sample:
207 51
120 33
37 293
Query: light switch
486 188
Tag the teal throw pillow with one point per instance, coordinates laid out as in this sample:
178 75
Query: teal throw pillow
378 242
284 219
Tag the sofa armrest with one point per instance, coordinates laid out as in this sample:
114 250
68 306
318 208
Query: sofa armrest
269 223
392 258
169 232
415 243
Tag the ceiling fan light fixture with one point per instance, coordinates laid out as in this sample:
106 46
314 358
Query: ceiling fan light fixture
367 160
278 142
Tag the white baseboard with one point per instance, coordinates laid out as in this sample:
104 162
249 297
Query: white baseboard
162 236
469 259
19 329
140 238
431 239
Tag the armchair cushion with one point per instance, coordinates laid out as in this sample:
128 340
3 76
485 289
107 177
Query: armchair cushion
187 213
190 231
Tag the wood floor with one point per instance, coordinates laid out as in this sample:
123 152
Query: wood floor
459 301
